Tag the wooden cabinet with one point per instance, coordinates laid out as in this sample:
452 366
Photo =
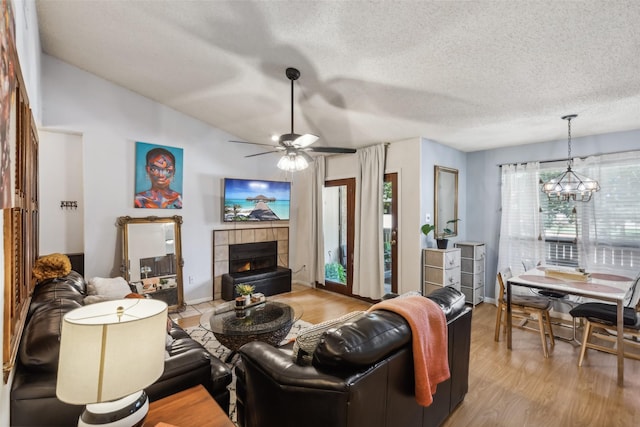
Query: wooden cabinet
441 268
472 265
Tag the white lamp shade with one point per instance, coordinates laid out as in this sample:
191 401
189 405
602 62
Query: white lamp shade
105 357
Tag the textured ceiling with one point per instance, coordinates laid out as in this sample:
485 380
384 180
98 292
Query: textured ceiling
471 75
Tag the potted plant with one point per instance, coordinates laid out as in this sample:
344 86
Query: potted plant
245 290
441 239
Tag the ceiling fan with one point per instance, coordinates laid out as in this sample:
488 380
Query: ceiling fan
296 146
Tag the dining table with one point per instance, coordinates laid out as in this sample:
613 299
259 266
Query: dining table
603 286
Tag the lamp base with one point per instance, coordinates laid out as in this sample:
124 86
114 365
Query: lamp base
130 411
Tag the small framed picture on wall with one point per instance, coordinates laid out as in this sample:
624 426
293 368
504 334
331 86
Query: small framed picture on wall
158 177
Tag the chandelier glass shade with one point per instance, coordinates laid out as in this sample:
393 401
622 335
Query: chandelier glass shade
570 186
293 161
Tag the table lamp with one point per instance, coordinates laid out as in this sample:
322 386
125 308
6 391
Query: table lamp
109 352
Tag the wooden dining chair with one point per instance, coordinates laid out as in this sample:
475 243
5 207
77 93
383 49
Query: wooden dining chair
527 308
601 324
554 297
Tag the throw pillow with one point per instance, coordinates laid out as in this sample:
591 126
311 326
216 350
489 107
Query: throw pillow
115 288
51 266
134 296
92 299
307 340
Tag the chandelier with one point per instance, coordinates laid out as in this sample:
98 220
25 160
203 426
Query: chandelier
570 185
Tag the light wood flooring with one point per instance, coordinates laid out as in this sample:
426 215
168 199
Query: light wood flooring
509 388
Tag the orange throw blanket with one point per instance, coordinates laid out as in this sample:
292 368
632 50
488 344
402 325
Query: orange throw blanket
429 341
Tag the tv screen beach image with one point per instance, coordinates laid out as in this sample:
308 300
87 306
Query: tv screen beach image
256 200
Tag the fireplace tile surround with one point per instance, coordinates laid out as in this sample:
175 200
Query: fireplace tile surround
222 238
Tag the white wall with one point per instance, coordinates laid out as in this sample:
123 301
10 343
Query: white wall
60 178
111 119
483 181
434 154
29 52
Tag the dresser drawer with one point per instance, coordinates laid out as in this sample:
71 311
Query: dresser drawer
473 296
471 266
472 280
473 251
448 258
450 277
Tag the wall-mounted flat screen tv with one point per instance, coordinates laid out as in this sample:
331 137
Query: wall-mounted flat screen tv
256 200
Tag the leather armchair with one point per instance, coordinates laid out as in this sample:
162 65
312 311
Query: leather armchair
372 386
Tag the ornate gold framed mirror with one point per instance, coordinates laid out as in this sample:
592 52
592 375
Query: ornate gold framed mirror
152 257
445 200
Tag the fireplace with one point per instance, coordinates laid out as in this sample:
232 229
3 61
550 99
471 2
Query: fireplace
255 264
253 256
223 238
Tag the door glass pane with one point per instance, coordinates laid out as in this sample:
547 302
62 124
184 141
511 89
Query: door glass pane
335 233
387 226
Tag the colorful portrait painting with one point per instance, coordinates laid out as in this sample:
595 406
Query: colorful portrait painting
158 177
7 105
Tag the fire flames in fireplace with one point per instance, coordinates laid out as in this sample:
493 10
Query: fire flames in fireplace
242 267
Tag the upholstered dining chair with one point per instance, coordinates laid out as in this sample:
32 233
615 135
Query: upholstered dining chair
601 324
527 308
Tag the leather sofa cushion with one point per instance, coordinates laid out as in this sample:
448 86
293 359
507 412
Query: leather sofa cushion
605 312
40 344
308 339
362 342
450 300
54 289
74 279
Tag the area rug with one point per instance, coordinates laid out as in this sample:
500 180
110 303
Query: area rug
206 338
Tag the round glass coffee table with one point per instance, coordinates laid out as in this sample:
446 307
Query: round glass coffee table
269 321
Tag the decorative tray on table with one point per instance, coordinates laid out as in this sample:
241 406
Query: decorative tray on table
581 276
256 299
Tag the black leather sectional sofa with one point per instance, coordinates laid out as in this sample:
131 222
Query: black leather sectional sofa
33 391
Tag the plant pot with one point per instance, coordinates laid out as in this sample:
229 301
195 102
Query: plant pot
442 243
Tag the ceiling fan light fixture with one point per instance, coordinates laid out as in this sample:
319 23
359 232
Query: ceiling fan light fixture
570 185
292 162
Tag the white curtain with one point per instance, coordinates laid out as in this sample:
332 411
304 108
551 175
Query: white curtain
609 224
368 274
521 231
308 246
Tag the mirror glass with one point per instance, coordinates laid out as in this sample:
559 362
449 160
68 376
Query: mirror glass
152 257
445 200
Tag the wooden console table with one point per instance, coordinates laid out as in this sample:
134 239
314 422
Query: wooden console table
192 407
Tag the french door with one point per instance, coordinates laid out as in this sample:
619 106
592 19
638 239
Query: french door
338 224
390 229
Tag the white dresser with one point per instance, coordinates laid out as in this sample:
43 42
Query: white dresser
441 268
472 257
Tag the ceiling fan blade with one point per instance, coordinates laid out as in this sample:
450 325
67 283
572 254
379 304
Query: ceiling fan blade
253 143
307 157
305 140
338 150
266 152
